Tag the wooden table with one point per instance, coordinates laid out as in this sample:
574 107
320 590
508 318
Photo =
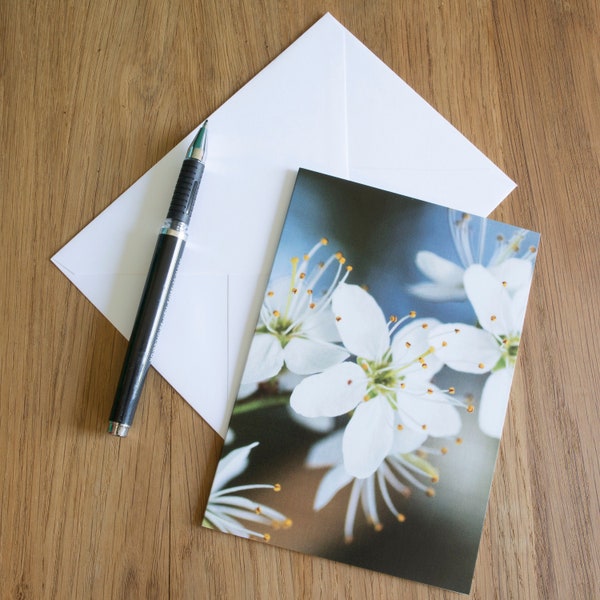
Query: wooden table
93 94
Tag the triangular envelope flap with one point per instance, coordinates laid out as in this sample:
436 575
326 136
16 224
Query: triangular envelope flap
121 238
405 135
288 116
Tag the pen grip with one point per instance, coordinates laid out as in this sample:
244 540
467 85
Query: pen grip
186 190
153 303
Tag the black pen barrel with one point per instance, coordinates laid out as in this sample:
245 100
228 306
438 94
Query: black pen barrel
157 288
150 314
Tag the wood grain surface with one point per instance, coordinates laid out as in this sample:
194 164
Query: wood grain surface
91 95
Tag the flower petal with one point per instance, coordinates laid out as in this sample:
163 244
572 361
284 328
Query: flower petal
326 452
490 300
334 392
519 305
368 437
516 272
437 292
265 358
431 413
333 481
412 342
305 357
321 326
231 466
360 321
440 269
494 402
407 440
465 348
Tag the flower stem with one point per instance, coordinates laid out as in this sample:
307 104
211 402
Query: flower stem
252 405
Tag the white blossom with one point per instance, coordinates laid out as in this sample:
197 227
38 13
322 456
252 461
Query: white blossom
226 508
387 388
490 347
296 328
469 236
402 470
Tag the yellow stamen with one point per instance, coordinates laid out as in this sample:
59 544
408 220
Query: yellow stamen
401 518
481 366
277 487
451 390
412 314
493 318
324 241
267 537
430 492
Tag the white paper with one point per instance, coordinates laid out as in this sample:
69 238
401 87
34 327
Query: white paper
327 104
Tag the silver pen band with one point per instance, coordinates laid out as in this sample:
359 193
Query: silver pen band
118 429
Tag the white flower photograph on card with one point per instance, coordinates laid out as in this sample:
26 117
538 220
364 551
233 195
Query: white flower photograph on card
377 383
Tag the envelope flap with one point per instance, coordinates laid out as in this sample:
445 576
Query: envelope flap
399 142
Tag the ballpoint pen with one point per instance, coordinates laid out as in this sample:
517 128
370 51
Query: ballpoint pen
161 275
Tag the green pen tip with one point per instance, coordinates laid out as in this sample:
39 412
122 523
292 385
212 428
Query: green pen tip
197 148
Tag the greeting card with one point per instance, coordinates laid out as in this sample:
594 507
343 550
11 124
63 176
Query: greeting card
374 394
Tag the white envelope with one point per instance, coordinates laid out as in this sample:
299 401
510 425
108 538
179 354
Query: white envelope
327 104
